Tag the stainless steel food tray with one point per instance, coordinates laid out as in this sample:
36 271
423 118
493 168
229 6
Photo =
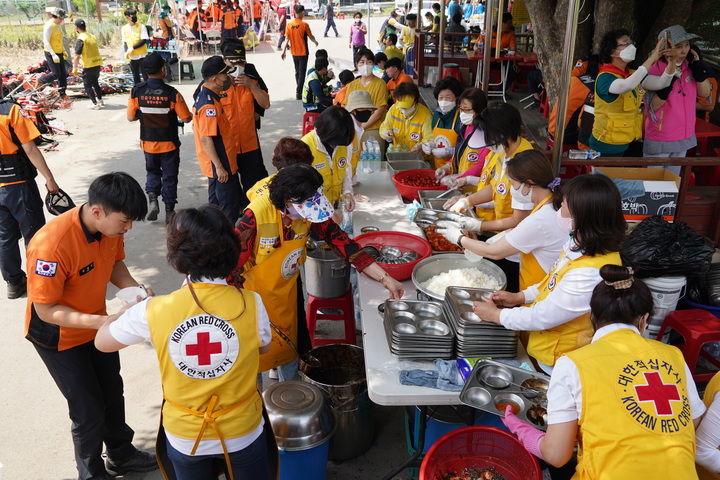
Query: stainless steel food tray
428 199
487 389
400 165
434 265
417 329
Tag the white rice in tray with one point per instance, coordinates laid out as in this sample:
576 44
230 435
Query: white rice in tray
460 277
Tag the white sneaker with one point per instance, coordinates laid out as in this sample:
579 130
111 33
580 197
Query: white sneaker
93 106
101 104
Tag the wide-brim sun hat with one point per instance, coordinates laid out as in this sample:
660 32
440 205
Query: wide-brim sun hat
359 99
678 34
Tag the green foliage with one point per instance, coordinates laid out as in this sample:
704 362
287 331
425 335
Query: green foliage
704 22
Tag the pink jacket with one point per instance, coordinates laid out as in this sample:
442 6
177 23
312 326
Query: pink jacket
676 119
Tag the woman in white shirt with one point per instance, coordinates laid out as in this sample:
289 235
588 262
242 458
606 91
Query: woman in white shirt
630 402
537 238
208 336
708 433
558 314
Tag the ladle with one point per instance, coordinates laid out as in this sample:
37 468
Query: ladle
308 359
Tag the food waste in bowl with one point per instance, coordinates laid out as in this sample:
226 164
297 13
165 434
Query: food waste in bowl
410 248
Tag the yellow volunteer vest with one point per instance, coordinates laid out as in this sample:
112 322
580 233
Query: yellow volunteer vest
444 137
272 273
530 270
332 170
56 38
90 53
208 363
548 345
636 419
618 122
494 173
712 388
408 132
356 151
132 37
468 158
260 188
239 107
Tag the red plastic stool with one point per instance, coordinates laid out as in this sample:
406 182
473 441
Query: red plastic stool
347 315
697 327
308 123
451 70
544 108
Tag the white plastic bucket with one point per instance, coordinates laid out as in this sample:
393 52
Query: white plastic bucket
666 291
652 332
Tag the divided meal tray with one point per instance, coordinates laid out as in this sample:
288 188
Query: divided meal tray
488 389
418 329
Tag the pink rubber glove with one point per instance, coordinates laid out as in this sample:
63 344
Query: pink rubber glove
528 435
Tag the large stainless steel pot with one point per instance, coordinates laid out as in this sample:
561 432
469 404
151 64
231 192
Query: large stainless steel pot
326 274
300 414
437 264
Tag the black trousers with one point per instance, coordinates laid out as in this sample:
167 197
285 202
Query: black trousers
136 67
91 383
91 83
228 196
57 72
161 174
251 169
301 63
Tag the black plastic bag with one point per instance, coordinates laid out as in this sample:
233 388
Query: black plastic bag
657 248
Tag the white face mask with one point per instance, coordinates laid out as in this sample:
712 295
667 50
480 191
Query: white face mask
445 106
358 21
292 212
466 118
518 196
628 53
239 70
365 70
498 149
564 224
408 112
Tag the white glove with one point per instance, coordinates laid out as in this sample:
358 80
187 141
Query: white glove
458 182
389 136
470 224
442 171
451 233
460 206
471 180
447 180
56 58
443 152
427 150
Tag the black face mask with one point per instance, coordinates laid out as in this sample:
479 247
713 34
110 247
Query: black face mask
362 116
134 19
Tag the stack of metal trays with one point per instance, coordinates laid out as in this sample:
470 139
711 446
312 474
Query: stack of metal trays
475 338
417 329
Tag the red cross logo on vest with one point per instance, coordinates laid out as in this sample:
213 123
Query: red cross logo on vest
440 144
661 394
204 348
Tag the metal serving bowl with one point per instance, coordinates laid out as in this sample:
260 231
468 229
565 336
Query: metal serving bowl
300 414
437 264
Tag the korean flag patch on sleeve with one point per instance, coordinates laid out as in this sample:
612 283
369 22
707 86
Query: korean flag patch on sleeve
210 112
45 268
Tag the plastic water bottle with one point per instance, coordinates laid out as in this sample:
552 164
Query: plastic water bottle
347 221
583 154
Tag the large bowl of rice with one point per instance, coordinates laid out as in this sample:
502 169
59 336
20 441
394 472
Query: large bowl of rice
434 274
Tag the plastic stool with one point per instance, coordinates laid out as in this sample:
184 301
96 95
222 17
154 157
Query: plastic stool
347 315
544 108
308 122
451 70
187 72
697 327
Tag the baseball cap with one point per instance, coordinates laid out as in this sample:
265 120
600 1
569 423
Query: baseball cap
153 63
55 12
678 34
315 209
233 50
57 203
215 66
299 8
80 23
359 99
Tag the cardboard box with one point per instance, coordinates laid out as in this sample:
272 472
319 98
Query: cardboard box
661 192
